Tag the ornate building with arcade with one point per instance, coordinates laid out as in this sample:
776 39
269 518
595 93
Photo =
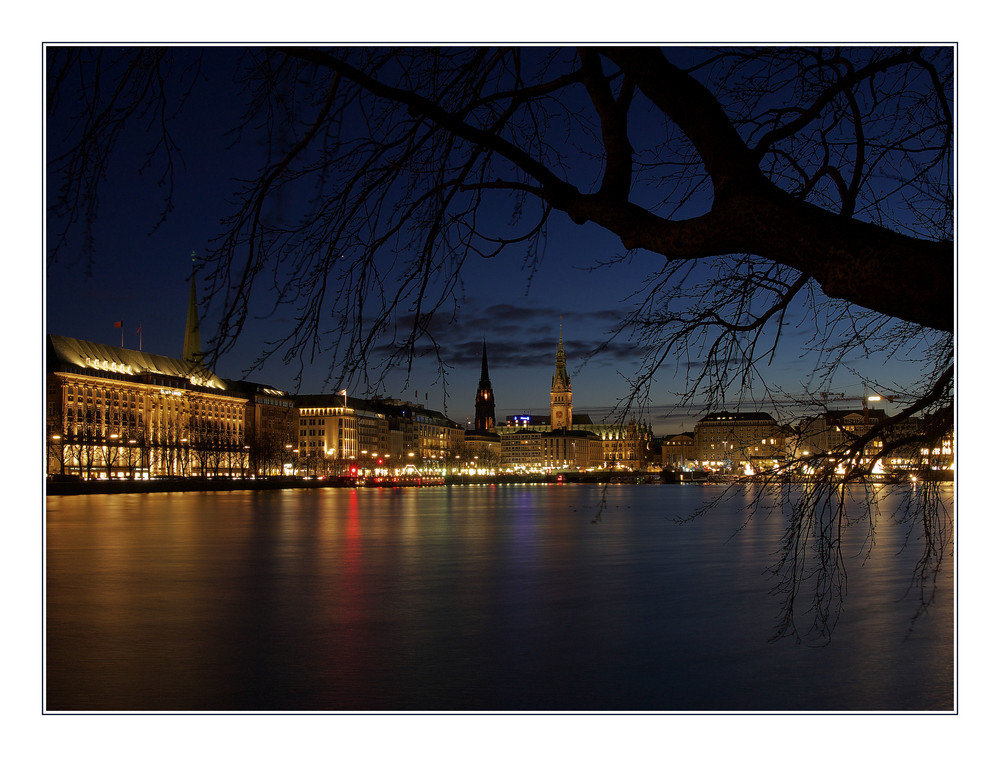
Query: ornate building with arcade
113 412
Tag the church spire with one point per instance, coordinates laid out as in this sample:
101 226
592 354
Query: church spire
486 419
192 332
485 375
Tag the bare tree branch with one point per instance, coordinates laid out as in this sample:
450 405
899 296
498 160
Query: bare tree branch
780 187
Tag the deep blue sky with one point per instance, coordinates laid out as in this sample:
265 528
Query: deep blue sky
141 276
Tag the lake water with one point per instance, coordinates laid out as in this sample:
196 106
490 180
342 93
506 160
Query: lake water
486 598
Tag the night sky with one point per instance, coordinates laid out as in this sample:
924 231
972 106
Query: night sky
140 275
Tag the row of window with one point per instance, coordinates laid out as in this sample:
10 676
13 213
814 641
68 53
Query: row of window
82 394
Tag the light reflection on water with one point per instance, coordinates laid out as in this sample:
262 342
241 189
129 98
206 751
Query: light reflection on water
472 598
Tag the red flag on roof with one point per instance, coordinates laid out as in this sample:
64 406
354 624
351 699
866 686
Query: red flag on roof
119 324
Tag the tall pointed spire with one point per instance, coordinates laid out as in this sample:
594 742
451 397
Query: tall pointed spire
485 375
561 375
561 395
192 332
485 404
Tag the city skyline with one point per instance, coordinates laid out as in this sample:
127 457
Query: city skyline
667 419
140 272
143 278
521 369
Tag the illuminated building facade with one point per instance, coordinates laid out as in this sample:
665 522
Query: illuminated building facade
270 426
402 431
626 445
678 449
940 456
327 434
571 450
424 438
440 441
120 413
113 412
836 430
739 440
483 450
521 450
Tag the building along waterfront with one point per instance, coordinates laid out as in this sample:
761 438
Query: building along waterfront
119 413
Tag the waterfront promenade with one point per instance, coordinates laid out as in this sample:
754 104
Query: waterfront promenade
225 484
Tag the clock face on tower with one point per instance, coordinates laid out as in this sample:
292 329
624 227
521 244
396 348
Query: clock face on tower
558 413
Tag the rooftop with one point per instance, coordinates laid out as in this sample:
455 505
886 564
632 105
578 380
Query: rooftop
69 354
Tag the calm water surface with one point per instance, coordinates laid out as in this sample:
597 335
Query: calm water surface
463 598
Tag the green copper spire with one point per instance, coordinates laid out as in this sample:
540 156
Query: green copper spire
192 333
560 377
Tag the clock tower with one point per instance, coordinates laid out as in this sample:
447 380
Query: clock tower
561 396
486 419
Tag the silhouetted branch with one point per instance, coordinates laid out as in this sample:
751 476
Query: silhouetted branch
806 188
